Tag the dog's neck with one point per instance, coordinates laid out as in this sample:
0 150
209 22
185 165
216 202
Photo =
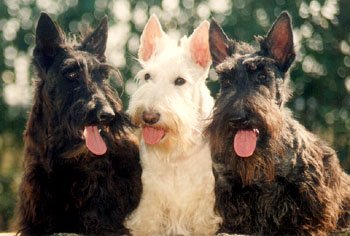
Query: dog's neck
179 154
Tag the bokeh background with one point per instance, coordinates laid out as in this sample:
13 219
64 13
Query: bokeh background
320 77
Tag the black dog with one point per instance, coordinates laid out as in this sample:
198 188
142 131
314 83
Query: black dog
82 171
273 177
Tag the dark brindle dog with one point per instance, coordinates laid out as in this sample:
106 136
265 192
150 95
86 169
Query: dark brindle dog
273 177
82 171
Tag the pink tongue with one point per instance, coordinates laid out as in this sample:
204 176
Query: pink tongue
244 143
152 135
94 141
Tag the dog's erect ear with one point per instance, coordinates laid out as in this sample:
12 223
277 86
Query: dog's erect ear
48 39
150 36
95 43
199 45
279 41
219 43
48 33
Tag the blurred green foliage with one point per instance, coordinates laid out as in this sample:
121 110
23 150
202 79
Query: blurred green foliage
320 77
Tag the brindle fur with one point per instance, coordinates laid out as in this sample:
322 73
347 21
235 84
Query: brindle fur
293 183
66 188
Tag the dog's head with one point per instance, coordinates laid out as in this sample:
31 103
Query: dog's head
172 99
74 85
249 112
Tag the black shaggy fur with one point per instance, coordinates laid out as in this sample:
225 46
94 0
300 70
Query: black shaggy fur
292 184
66 188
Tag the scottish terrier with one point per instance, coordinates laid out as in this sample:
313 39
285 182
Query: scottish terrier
273 177
82 172
171 107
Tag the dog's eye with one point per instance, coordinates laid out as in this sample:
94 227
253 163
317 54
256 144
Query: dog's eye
261 76
147 76
102 74
179 81
71 75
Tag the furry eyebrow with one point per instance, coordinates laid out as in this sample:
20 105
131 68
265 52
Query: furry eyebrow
229 63
77 61
110 69
82 64
73 63
105 66
255 61
70 67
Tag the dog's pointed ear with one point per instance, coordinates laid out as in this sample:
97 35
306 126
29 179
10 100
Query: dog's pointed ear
95 43
48 38
48 33
199 45
150 36
219 43
279 41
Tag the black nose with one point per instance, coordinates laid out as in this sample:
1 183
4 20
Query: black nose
105 115
238 120
150 117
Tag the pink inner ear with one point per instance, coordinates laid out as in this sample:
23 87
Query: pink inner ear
281 40
280 43
278 53
199 45
152 32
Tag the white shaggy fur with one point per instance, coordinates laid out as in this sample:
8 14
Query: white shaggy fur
178 183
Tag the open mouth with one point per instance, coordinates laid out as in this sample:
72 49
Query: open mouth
152 135
244 142
93 140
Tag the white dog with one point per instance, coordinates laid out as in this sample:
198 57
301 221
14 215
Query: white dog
171 106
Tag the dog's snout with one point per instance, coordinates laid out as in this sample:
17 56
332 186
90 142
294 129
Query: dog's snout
238 120
106 114
150 117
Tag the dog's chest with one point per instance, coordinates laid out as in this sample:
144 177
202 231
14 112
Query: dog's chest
180 181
